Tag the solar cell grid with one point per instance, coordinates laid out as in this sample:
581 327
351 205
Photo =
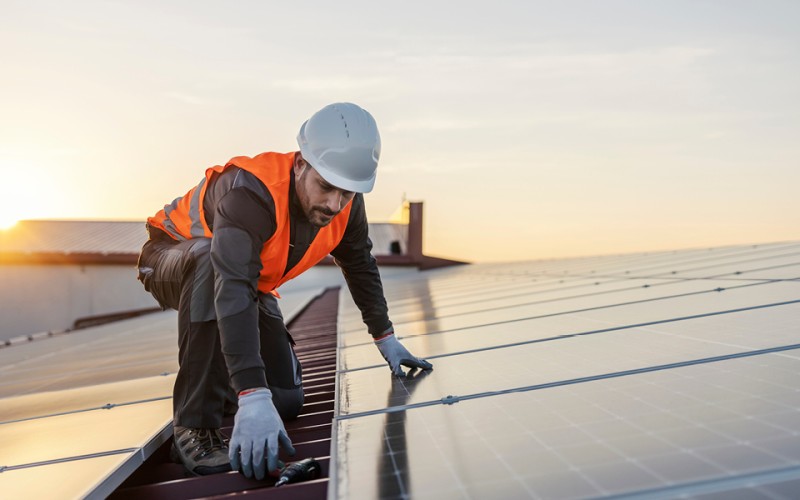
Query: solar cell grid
436 306
669 264
704 422
423 291
684 306
44 404
74 479
474 302
680 263
534 364
139 347
551 329
77 434
750 269
646 264
686 385
659 301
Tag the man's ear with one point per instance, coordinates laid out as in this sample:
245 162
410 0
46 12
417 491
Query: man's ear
299 166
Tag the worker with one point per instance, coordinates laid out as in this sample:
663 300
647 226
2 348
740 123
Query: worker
217 256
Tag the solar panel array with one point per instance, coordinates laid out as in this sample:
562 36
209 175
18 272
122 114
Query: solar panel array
653 375
650 375
80 412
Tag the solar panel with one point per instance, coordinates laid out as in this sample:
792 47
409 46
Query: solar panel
572 379
446 338
597 438
85 449
84 433
101 396
75 479
80 412
140 347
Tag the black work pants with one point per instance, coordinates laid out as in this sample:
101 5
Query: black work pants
180 276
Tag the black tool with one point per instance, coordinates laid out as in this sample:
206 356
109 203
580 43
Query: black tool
304 470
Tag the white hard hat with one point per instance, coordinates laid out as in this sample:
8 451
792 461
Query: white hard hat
342 143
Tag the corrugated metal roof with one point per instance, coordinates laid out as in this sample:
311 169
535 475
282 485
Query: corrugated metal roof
73 237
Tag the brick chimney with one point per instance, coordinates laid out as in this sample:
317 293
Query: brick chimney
415 231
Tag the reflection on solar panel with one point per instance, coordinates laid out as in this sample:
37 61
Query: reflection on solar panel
655 375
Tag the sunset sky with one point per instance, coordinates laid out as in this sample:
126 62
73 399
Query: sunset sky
529 129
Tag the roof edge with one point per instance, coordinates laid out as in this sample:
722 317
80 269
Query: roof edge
17 258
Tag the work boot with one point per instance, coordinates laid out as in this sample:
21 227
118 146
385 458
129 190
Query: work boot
201 451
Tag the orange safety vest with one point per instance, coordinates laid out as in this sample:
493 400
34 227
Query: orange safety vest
185 219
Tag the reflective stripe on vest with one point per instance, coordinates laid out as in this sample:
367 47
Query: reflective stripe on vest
184 218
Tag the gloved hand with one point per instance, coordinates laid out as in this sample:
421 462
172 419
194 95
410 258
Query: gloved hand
257 427
396 355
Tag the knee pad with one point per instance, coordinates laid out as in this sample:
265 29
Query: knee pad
199 256
288 402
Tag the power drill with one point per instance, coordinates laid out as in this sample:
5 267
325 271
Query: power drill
304 470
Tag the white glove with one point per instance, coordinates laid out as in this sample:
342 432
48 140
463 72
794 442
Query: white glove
396 355
256 428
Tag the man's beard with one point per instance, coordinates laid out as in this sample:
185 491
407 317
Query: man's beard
320 216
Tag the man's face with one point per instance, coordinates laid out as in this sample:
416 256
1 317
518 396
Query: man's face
319 200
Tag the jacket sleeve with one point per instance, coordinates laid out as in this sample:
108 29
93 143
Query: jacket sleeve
354 256
244 218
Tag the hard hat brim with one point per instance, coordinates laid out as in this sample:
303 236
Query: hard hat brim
340 182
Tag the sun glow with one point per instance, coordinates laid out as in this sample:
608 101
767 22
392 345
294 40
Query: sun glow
11 205
7 222
24 196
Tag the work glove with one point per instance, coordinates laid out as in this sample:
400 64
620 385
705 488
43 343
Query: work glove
396 355
256 428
